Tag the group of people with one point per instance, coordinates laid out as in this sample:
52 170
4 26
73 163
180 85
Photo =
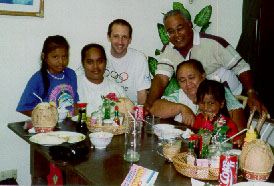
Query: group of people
197 60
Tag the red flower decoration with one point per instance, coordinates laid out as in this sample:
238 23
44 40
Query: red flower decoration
112 96
207 125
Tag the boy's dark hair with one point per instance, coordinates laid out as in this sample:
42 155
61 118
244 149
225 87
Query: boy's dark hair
214 88
119 22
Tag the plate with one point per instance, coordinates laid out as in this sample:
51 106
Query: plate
57 138
254 184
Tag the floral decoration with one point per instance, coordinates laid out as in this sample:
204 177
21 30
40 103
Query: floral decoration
219 126
109 100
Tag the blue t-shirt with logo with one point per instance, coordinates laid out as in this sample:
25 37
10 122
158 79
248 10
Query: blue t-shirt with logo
62 91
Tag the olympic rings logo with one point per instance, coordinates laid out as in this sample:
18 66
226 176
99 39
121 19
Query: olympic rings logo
119 78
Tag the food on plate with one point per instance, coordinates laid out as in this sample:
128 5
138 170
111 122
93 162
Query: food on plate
75 139
50 140
44 115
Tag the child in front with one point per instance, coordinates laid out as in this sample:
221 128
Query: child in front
54 82
212 106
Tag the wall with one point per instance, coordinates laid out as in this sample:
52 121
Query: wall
82 22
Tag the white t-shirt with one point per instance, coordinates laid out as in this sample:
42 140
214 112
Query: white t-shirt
91 93
130 71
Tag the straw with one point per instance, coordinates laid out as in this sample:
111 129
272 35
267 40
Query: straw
234 135
131 116
264 131
38 97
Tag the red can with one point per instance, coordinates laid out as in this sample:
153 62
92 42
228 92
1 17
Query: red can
228 170
139 112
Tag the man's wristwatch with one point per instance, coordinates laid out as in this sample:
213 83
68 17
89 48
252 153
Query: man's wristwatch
252 91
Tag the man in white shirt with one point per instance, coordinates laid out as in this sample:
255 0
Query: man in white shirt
126 66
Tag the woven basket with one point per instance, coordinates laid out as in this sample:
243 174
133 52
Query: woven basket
202 173
115 130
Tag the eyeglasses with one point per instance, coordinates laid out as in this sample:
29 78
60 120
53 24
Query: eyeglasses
172 32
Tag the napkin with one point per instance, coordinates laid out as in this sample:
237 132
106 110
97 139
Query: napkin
140 176
195 182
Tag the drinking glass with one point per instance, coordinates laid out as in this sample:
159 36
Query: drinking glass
153 120
132 139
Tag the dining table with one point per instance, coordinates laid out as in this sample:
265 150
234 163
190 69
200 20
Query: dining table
105 166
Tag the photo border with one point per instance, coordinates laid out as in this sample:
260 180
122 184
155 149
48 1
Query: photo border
40 13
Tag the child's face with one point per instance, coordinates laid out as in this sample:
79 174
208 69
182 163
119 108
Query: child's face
208 105
57 60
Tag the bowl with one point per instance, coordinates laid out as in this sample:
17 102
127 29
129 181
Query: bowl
171 133
100 139
159 128
255 176
43 129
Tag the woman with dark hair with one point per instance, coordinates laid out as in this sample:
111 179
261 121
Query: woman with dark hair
92 84
54 82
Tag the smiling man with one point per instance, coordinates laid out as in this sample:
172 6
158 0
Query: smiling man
219 59
126 66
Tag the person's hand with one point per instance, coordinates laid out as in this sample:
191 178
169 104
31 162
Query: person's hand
147 108
255 103
188 117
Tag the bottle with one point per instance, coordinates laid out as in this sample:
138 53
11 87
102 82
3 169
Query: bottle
250 135
116 118
82 119
191 157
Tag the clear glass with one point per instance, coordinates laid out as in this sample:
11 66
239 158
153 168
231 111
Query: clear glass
132 139
153 120
205 145
214 155
169 148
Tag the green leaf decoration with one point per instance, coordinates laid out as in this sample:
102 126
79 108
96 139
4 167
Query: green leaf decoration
157 52
162 33
224 129
152 64
171 87
203 17
55 179
180 6
205 27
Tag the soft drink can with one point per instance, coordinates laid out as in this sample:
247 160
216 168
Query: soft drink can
139 112
228 170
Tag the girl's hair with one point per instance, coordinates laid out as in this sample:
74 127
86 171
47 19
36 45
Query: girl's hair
50 44
195 64
214 88
89 46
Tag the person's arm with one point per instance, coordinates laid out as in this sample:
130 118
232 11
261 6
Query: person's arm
142 97
166 109
157 89
27 113
253 99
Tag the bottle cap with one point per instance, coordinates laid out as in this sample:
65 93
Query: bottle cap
82 105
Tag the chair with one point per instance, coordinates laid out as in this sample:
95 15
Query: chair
261 120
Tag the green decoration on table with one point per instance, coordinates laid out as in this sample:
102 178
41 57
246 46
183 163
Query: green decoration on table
55 179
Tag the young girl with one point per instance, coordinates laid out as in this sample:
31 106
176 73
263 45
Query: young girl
54 82
212 106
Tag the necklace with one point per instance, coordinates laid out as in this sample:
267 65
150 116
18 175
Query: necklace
56 77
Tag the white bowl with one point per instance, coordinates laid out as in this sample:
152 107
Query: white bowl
171 133
159 128
100 139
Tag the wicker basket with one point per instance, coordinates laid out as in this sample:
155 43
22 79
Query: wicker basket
115 130
202 173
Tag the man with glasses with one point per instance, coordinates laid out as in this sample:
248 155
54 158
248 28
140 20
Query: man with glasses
220 60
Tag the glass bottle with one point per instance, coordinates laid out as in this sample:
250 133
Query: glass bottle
191 157
215 152
116 118
82 119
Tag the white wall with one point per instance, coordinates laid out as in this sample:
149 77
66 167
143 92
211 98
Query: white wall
82 22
